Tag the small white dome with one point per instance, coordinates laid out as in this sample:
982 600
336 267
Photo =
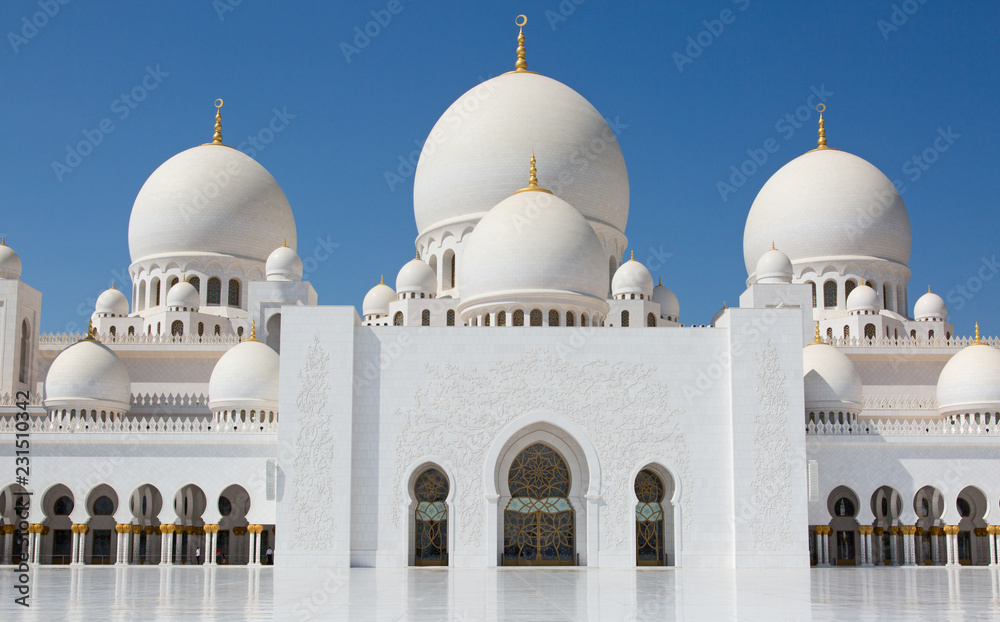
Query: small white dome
246 377
632 278
534 248
283 264
88 374
111 302
183 294
863 298
930 306
831 381
774 267
667 299
10 263
209 200
416 276
377 300
827 204
970 381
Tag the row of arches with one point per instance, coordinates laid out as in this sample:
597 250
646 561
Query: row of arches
878 536
536 317
871 332
104 515
541 512
152 292
626 320
835 293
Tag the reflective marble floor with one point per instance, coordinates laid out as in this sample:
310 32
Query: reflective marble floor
190 593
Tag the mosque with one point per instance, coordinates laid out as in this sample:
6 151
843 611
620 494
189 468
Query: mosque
523 395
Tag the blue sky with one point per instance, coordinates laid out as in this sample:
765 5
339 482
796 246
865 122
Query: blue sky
893 75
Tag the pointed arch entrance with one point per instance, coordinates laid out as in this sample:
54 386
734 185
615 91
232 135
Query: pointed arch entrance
431 519
539 526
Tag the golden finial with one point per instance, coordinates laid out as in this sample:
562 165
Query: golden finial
632 256
724 304
217 138
112 284
284 242
822 127
253 331
772 246
417 255
928 289
533 178
381 279
3 241
977 341
818 339
661 280
91 332
521 66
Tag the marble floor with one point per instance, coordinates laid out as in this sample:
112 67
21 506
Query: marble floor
192 593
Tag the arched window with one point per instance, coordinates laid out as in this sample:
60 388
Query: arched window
214 293
501 318
830 294
536 317
154 291
847 332
538 525
813 287
843 507
650 320
239 332
453 270
964 510
553 317
225 506
869 331
649 490
885 295
195 283
829 334
141 300
63 506
397 320
913 334
159 328
177 328
583 320
930 334
425 317
131 330
201 329
113 330
218 330
849 287
22 374
104 506
431 517
570 319
625 318
234 293
450 317
486 319
518 318
173 281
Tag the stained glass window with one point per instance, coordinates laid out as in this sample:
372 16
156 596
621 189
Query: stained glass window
519 318
234 293
425 317
650 320
869 331
570 319
538 520
553 317
397 320
177 328
451 317
431 515
649 491
214 293
536 317
501 318
849 287
830 294
625 319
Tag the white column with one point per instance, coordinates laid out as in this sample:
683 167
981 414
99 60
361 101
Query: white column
208 553
894 545
935 546
819 542
8 545
118 546
82 556
252 559
826 548
33 547
951 539
75 553
991 535
126 543
135 547
908 545
164 559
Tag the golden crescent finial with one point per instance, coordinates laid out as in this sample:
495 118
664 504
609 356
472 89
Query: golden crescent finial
821 144
521 65
217 137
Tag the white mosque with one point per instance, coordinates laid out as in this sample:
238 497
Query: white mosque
524 395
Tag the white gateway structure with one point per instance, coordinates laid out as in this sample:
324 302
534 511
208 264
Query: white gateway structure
522 396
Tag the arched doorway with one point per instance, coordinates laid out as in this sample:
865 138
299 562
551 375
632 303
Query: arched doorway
538 521
843 507
650 533
430 533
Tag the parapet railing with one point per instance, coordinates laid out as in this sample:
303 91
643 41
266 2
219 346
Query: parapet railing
67 339
138 426
909 342
906 427
900 402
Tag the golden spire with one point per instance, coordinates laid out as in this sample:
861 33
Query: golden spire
821 144
381 279
977 341
632 256
91 332
818 339
928 289
217 137
3 241
724 304
532 178
521 66
284 242
253 331
417 255
661 280
772 246
112 284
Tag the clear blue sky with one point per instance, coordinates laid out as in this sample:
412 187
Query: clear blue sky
927 66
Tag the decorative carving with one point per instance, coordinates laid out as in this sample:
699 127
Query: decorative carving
459 412
772 470
315 443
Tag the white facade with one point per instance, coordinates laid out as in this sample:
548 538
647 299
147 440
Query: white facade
522 396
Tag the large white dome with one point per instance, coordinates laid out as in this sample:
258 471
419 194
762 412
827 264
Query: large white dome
534 247
246 377
828 204
473 158
210 200
970 381
89 375
831 381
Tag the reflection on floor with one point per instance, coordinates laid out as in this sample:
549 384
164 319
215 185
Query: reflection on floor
191 593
